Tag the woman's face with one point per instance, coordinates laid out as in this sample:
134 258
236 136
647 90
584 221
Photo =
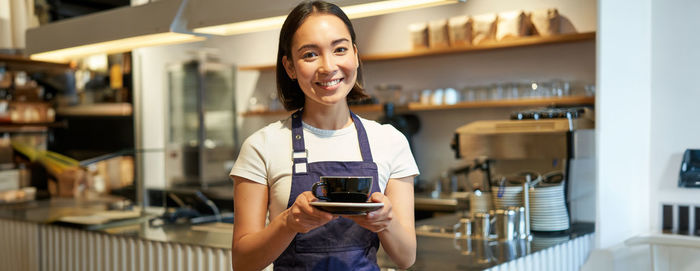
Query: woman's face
323 59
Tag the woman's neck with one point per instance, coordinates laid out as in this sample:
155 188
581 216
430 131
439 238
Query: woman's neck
327 117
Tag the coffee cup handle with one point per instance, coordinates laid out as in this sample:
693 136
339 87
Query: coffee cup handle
316 185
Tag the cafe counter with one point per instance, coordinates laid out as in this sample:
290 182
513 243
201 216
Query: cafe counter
35 238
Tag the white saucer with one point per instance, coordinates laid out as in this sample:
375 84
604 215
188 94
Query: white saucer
347 208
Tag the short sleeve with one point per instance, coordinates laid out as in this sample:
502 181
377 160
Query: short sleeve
403 163
251 163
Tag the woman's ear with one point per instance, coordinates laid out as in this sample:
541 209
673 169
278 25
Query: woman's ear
357 56
289 67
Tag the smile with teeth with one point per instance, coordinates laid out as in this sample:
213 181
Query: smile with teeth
329 83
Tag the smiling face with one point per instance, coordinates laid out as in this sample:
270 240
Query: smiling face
323 60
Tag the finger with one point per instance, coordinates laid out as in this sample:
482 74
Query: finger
377 197
319 214
316 213
309 196
379 214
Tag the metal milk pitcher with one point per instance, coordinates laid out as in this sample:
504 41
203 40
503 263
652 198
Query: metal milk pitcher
505 224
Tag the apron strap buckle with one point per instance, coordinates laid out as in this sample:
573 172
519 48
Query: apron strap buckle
300 155
299 160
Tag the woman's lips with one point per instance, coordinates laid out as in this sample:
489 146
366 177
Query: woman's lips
330 85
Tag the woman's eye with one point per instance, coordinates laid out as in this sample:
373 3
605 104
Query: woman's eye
341 50
308 55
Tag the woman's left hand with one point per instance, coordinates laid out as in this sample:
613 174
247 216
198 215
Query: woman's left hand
378 220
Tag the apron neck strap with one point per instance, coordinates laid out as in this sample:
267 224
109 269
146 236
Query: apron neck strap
362 138
298 137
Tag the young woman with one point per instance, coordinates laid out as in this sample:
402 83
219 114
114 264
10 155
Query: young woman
318 72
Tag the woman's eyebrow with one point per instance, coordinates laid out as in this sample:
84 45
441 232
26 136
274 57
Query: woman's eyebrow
314 46
340 40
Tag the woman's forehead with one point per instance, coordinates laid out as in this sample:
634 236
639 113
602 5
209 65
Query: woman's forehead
320 28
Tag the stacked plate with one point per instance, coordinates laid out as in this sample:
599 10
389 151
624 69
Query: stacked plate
507 196
548 208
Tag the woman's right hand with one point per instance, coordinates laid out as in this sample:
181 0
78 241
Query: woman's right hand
302 217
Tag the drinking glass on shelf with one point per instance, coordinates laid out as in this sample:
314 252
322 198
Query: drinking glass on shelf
545 89
425 96
413 96
560 88
536 89
590 90
482 93
496 91
468 94
451 96
526 89
511 91
436 97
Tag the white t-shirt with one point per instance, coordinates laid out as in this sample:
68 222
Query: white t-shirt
266 156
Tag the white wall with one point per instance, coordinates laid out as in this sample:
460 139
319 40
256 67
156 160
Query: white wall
646 70
623 103
674 100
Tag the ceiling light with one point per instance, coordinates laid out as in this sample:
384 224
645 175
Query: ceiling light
113 31
214 22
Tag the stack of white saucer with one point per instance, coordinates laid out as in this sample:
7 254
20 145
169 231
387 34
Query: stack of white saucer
548 208
507 196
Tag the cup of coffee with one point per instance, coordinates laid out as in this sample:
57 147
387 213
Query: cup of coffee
343 189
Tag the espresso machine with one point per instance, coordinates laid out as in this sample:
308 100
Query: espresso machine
542 145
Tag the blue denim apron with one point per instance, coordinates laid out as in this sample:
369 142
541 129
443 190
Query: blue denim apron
340 244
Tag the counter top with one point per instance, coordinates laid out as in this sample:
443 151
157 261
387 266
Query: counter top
434 251
444 252
50 212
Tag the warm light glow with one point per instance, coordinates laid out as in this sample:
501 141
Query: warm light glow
243 27
115 46
384 7
353 12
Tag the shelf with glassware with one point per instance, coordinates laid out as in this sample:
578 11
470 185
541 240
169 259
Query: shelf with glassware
415 106
504 44
26 116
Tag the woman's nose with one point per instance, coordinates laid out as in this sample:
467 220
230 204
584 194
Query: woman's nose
327 65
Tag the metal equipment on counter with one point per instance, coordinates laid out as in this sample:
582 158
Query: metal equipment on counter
201 135
538 144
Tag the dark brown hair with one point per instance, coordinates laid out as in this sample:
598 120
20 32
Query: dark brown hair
288 90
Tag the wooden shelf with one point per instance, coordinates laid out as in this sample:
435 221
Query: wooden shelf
29 127
416 107
354 108
573 100
97 110
16 62
514 43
